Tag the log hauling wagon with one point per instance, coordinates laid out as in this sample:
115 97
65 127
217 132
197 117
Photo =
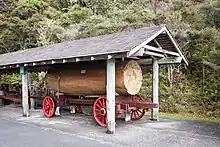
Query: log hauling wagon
85 85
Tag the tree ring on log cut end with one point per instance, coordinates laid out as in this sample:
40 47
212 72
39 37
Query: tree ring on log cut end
132 77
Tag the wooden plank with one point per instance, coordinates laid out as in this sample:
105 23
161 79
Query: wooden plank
25 105
175 44
159 46
168 60
127 116
134 50
151 48
32 101
138 53
154 54
1 100
110 56
92 58
155 80
57 111
157 43
110 89
77 59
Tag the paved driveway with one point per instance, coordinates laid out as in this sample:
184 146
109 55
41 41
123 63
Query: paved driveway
15 134
80 130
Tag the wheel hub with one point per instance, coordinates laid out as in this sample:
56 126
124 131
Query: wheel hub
102 111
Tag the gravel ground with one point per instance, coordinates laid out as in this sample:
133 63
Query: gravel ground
82 130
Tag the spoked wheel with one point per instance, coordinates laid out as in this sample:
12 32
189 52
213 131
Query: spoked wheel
49 106
99 111
137 113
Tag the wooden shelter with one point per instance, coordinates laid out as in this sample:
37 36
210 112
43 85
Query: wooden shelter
149 45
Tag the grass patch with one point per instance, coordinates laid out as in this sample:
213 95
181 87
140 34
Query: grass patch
187 116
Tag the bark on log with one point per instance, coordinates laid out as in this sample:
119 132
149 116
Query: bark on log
91 80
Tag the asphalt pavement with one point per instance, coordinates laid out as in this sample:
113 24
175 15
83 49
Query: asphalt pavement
13 134
82 131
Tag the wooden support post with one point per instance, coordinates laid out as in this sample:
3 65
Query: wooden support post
25 105
72 110
155 111
57 111
32 101
110 88
127 116
1 102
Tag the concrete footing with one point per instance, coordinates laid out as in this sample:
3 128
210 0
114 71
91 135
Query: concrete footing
57 111
72 110
32 101
127 116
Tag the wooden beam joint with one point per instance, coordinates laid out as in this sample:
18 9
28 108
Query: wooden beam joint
168 60
160 50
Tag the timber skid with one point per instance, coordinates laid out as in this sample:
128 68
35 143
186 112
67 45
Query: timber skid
12 96
134 106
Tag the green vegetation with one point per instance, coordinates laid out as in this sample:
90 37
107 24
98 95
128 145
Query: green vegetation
194 23
190 117
187 116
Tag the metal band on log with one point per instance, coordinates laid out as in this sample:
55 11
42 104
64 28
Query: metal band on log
91 80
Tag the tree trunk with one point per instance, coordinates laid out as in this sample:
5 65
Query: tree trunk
88 79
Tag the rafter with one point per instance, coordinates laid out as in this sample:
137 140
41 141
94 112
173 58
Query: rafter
151 48
154 54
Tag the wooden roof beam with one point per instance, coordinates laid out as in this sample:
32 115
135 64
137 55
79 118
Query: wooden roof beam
157 43
176 45
154 54
151 48
134 50
168 60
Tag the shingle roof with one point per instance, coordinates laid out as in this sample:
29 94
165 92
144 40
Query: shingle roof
121 42
104 44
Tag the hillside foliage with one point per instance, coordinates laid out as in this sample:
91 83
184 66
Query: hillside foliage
194 23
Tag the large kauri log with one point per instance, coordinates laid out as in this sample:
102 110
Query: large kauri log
92 81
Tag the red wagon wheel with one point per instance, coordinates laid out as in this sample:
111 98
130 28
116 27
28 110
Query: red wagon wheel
99 111
49 106
137 113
